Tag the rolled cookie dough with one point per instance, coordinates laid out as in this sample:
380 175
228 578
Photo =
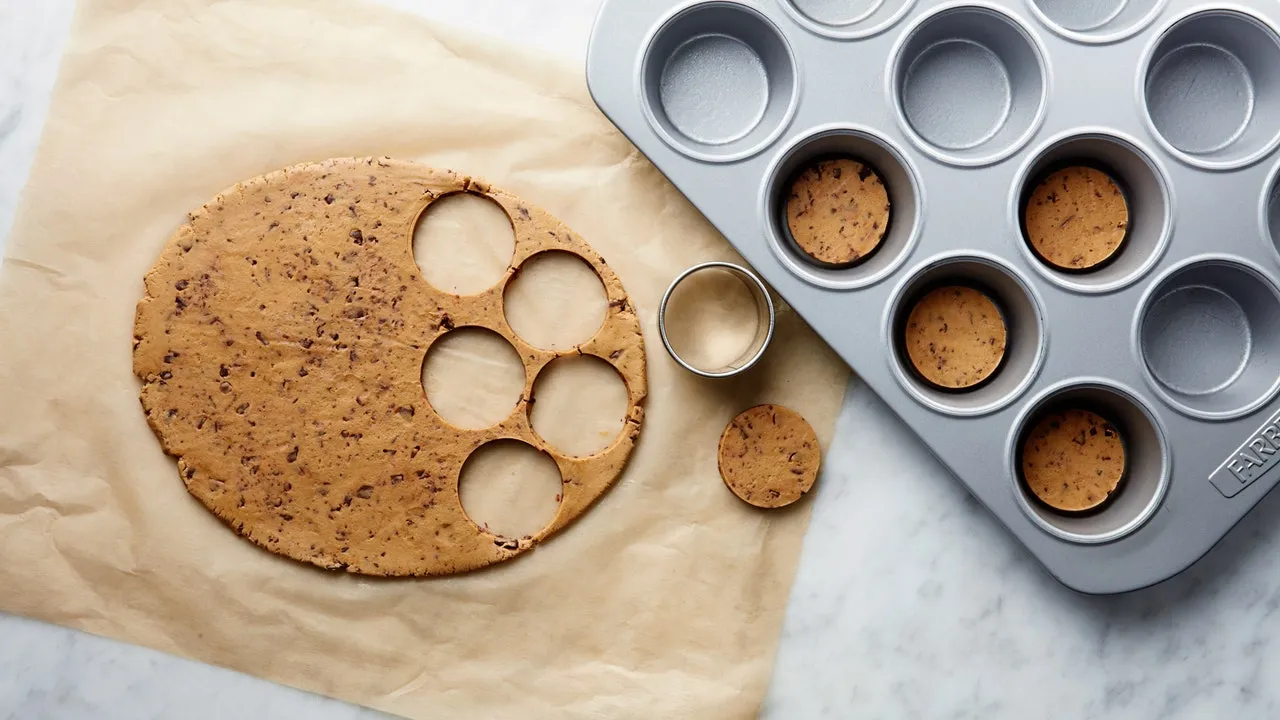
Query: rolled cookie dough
280 344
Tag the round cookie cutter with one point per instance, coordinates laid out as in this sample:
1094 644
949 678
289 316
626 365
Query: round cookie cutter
766 319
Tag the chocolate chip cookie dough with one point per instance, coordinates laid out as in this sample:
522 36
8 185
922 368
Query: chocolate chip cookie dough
769 456
956 337
280 344
1077 219
838 211
1073 460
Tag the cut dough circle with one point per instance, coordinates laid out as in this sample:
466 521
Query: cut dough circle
838 211
769 456
1077 219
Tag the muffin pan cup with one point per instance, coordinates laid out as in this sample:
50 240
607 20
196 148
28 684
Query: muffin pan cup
1030 84
1019 309
1147 193
1056 515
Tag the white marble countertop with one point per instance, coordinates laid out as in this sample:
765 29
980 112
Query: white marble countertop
911 602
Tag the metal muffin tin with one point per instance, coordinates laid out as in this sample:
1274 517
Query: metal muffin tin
959 105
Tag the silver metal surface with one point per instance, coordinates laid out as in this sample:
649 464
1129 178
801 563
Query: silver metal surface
766 319
960 105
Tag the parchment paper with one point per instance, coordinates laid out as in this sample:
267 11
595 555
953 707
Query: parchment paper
665 600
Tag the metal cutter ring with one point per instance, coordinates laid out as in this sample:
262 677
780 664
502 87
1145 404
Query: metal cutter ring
767 319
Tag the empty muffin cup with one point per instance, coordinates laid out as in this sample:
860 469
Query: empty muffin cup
1209 337
718 81
1212 89
969 84
837 211
847 19
716 319
956 337
1097 21
1076 218
1271 212
1073 460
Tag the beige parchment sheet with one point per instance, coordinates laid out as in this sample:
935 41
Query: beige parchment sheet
664 600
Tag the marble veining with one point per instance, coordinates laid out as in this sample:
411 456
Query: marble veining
910 600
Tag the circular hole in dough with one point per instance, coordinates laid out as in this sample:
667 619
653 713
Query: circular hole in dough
510 489
464 243
473 378
579 405
555 301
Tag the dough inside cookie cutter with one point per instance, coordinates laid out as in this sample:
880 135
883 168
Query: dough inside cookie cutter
765 320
